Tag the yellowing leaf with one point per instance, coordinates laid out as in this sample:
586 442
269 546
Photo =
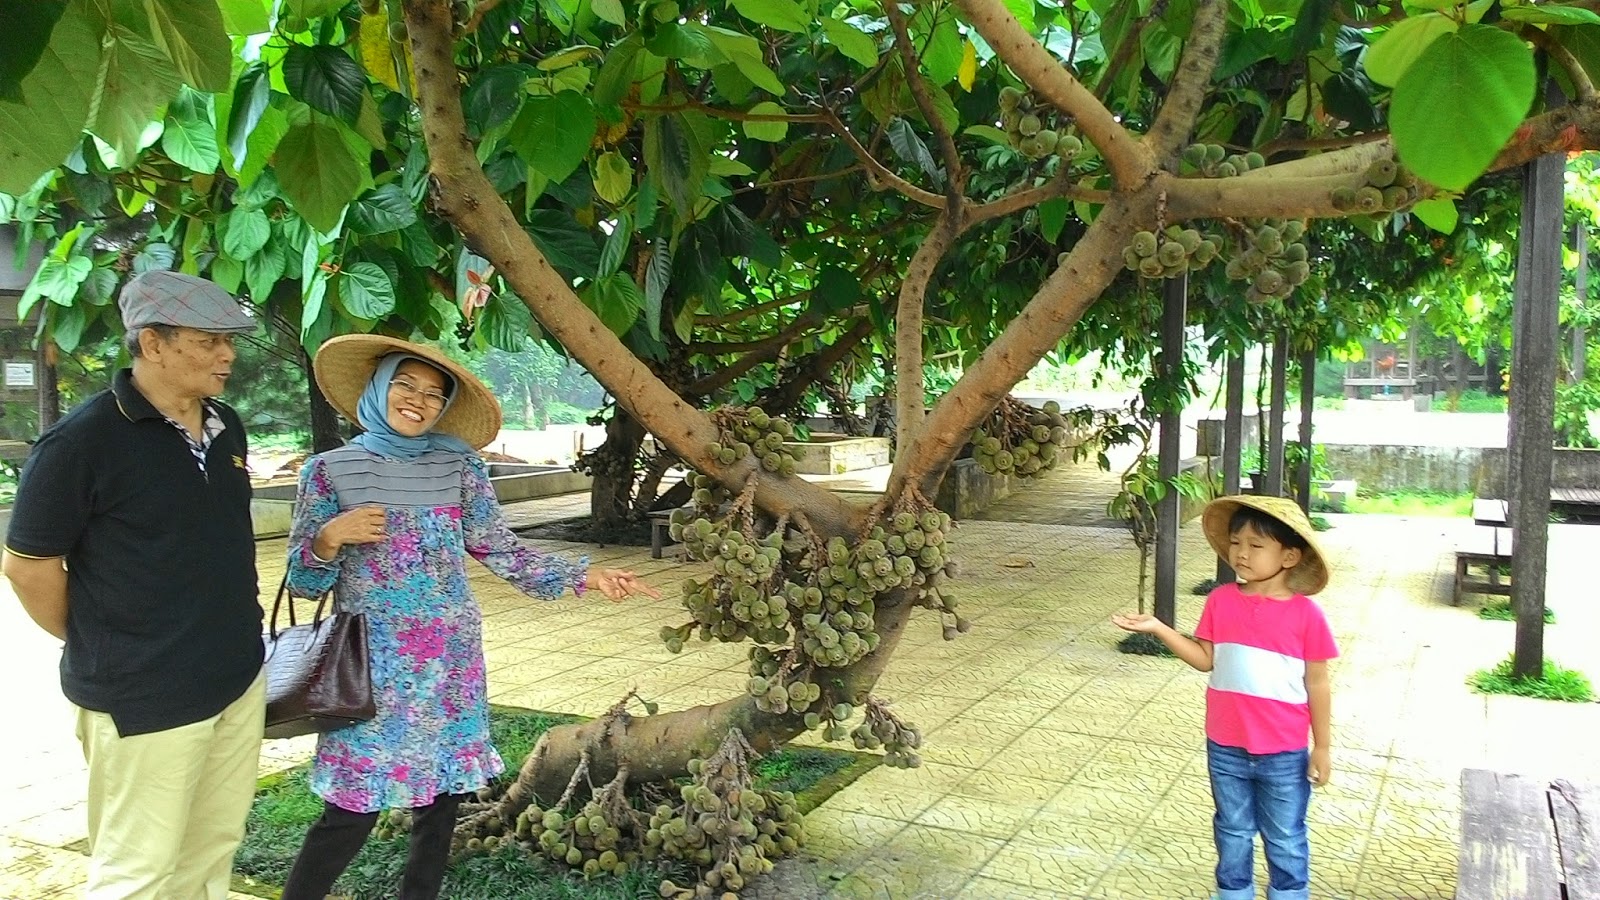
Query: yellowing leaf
375 50
968 73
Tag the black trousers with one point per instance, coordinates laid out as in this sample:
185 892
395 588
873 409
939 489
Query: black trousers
337 835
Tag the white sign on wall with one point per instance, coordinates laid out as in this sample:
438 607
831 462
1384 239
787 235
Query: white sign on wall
19 375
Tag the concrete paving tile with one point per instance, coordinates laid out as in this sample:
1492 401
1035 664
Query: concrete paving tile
1045 870
920 862
984 888
1097 805
1128 880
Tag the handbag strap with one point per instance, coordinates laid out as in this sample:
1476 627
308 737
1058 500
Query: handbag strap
283 591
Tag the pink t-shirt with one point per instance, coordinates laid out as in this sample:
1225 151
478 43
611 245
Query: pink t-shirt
1257 697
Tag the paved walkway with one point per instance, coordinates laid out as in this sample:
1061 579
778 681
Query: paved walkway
1055 767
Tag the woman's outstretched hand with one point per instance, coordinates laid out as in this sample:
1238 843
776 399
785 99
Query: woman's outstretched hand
617 584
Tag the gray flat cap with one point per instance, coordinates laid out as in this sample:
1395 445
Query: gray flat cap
160 297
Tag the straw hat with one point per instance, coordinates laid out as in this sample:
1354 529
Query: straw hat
345 364
1311 575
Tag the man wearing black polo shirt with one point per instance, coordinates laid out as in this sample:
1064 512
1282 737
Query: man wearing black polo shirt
131 540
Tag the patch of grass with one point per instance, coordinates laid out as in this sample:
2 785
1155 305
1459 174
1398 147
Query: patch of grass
1140 644
1475 401
1321 523
1413 503
1499 610
285 807
1555 684
1205 587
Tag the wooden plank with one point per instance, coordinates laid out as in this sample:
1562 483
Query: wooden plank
1574 808
1507 839
1576 496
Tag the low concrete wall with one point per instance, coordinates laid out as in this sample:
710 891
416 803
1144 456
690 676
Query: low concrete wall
968 490
1569 468
1378 468
272 507
835 454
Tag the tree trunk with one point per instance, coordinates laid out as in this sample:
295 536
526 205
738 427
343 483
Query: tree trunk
325 433
611 497
49 388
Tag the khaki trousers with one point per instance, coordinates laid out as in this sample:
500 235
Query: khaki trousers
167 809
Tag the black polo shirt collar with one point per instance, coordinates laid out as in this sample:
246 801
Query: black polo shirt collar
133 404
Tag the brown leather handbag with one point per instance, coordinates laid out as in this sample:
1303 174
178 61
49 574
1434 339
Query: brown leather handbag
318 674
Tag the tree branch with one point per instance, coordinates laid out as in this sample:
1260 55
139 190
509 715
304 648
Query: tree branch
955 173
1187 92
1130 163
1581 82
908 384
878 175
1025 198
814 368
1279 196
732 115
1092 265
1297 145
464 196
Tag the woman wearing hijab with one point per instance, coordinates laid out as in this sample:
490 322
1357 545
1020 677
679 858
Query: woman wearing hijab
387 522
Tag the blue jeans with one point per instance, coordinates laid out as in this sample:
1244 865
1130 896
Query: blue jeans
1268 793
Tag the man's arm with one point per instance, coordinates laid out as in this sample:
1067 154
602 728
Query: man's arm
41 585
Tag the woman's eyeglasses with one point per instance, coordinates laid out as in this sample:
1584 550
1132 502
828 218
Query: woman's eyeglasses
430 399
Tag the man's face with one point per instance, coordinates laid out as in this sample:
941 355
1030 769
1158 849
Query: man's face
193 363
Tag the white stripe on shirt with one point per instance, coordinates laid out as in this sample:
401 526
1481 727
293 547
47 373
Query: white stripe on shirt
1242 669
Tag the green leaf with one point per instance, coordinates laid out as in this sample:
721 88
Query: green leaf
190 32
263 270
384 209
190 138
835 289
366 291
506 323
1438 213
721 165
67 327
687 41
312 9
244 233
618 243
1023 11
988 133
38 133
552 134
618 72
851 41
567 245
264 140
657 277
1392 54
27 28
496 94
673 152
911 150
772 132
56 280
250 97
610 11
784 15
326 79
227 272
613 176
744 52
317 172
155 255
1550 15
135 80
245 16
1449 142
617 301
941 56
1052 216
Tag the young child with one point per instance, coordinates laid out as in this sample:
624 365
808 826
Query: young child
1266 645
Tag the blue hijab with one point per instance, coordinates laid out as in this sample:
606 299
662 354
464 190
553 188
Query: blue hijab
372 410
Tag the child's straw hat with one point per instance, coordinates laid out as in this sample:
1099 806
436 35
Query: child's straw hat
345 364
1311 575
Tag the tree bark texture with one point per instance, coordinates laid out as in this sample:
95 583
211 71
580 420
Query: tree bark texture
611 495
1308 388
49 388
1232 443
325 433
1280 378
1175 299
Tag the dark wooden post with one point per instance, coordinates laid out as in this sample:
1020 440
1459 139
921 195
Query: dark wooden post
47 385
1308 387
1232 443
1535 343
1280 378
1580 337
1174 309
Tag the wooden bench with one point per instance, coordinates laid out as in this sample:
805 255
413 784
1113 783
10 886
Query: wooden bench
1525 839
1491 553
660 529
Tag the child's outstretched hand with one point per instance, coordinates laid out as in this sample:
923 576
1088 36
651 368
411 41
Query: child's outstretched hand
1321 767
1136 622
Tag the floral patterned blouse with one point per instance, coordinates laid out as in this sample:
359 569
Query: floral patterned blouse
424 629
